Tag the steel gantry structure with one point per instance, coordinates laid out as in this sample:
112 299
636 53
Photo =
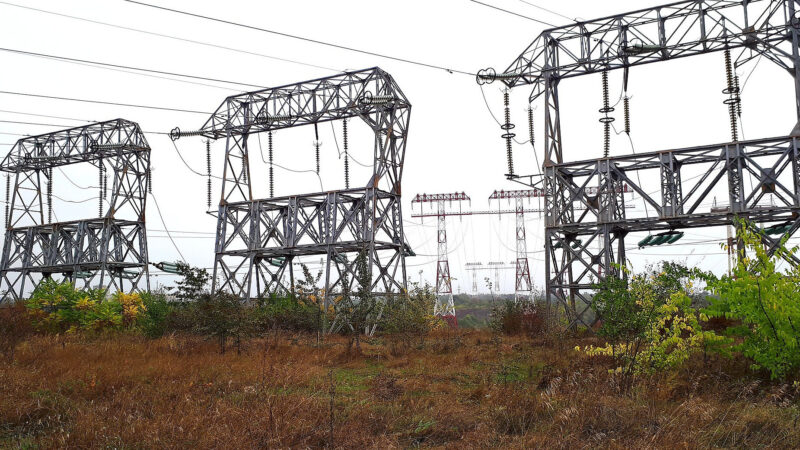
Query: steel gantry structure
258 238
444 306
768 28
108 251
523 287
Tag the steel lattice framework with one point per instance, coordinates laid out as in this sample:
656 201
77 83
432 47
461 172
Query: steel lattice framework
257 239
103 252
768 28
444 306
523 287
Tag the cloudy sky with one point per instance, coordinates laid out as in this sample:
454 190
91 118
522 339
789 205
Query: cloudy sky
454 143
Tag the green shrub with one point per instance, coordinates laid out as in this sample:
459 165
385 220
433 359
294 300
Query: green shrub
60 307
649 322
512 317
224 316
157 310
765 303
411 315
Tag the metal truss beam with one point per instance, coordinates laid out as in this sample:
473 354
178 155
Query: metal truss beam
660 33
106 252
257 239
585 231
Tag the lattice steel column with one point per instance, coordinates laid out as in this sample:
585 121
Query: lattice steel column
523 288
444 306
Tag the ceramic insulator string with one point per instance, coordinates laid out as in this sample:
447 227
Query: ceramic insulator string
100 188
208 174
732 91
346 156
627 107
606 120
316 145
8 198
508 135
50 195
530 127
271 170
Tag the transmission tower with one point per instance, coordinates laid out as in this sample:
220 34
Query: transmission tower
257 239
474 267
755 28
107 251
444 306
523 287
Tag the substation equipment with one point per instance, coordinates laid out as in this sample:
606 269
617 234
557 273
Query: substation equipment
523 290
257 238
107 251
756 28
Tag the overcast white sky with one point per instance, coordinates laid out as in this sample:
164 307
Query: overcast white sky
454 143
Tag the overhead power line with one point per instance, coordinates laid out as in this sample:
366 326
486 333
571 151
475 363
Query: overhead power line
548 10
119 66
101 102
302 38
167 36
508 12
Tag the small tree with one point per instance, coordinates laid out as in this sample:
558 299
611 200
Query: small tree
765 303
192 283
224 316
357 309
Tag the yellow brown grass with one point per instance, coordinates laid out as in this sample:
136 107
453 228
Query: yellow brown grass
457 389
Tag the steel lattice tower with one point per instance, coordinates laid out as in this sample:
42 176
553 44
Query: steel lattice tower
257 239
109 251
523 287
474 267
444 306
768 28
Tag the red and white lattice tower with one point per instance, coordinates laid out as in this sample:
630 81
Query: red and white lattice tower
444 306
523 287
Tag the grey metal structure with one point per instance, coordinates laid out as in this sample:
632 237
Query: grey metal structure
109 251
257 239
574 260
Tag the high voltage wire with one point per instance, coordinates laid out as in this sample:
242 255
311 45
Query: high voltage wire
506 11
44 115
167 36
302 38
119 66
101 102
548 10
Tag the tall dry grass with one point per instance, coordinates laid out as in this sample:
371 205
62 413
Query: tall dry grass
455 389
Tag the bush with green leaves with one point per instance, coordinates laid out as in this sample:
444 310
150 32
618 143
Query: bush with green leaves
649 322
60 307
412 314
154 321
512 317
764 303
223 316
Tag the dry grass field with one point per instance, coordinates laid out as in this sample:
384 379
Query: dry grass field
456 389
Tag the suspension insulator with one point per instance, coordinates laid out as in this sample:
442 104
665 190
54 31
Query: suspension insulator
606 120
627 107
149 180
271 172
530 128
50 195
208 174
244 168
316 145
100 187
508 135
346 156
8 198
732 91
